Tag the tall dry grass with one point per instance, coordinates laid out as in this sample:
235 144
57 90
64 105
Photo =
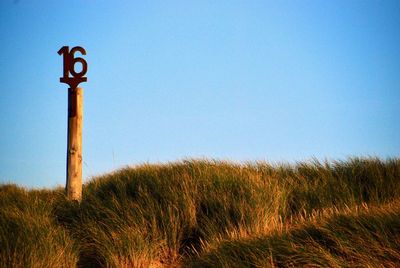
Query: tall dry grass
204 213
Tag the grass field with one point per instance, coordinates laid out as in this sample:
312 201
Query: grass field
201 213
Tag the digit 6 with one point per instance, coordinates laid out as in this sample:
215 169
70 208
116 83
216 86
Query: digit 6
78 59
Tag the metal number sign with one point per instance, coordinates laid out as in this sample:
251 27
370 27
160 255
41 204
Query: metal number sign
69 66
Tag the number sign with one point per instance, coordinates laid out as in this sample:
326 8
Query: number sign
69 66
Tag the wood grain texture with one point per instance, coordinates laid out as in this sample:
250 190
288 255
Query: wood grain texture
74 148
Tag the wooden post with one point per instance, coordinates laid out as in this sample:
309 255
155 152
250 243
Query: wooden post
73 186
74 151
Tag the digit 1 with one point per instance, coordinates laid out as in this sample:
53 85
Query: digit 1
66 60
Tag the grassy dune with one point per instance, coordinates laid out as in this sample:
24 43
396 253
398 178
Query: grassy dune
211 214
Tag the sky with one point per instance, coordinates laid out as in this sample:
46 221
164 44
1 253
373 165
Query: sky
170 80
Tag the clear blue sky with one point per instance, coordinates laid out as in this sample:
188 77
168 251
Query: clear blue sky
167 80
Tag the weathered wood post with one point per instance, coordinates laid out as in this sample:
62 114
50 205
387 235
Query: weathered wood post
75 115
74 151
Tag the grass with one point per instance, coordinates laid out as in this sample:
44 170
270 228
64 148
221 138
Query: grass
201 213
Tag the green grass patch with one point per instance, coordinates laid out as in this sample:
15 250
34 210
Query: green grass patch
200 213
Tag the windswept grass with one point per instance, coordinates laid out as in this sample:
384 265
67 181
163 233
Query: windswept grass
211 214
28 235
358 237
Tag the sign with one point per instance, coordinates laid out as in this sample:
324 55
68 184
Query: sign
73 78
69 66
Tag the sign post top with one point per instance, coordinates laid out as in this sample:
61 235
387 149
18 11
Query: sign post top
69 66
